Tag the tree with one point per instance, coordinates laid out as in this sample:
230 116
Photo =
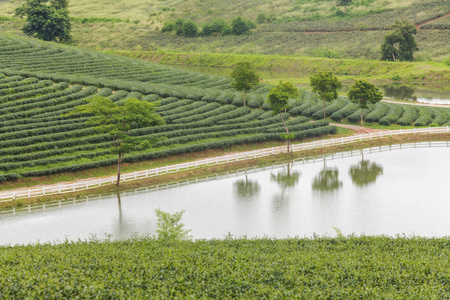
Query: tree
47 20
239 25
343 3
118 122
326 86
170 227
363 93
245 77
189 29
278 101
400 43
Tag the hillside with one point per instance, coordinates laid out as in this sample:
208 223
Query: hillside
300 27
40 81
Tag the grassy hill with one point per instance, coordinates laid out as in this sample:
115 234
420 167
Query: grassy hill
301 27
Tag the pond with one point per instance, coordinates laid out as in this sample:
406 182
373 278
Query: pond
391 190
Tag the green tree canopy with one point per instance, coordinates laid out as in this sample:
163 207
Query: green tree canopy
190 29
278 101
47 20
364 93
325 84
245 77
400 44
239 25
119 120
343 3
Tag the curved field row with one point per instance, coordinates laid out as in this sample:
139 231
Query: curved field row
35 56
35 139
382 113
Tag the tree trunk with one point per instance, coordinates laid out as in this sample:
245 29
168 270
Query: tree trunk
323 102
287 132
245 94
118 168
362 113
393 56
345 8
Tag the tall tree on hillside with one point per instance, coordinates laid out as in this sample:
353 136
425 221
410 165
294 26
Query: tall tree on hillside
325 85
47 20
245 77
363 93
400 44
343 3
119 120
278 101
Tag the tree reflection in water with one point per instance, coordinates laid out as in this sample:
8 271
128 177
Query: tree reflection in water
327 180
399 92
365 172
246 189
285 179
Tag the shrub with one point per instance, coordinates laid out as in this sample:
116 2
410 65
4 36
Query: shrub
240 26
190 29
168 26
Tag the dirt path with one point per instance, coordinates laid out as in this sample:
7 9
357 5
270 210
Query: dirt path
358 129
417 103
429 21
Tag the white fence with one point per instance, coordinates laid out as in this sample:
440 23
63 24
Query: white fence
90 184
59 204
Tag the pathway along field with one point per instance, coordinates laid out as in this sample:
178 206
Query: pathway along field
71 187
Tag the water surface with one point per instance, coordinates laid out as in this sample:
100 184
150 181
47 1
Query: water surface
393 190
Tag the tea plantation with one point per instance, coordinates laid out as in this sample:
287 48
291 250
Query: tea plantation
319 268
39 82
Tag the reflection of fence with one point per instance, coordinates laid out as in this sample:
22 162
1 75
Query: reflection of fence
90 184
231 174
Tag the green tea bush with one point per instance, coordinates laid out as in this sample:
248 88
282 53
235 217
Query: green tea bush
379 111
321 268
394 113
409 116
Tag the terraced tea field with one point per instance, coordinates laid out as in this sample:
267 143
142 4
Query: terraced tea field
382 113
39 82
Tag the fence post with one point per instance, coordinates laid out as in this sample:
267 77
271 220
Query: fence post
43 190
14 195
29 193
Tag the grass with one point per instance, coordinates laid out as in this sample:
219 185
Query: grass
298 69
142 21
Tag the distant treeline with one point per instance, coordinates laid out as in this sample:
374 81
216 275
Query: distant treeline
219 26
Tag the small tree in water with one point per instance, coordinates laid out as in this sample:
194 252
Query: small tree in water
170 226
